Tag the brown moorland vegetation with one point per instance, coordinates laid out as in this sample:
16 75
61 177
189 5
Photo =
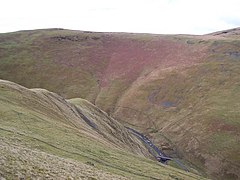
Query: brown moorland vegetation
180 90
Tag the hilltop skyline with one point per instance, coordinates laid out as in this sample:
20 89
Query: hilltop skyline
142 16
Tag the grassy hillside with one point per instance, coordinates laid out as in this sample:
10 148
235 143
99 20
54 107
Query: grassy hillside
84 64
181 90
42 135
194 114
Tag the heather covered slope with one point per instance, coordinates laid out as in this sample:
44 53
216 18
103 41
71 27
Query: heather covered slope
42 135
94 66
192 113
181 90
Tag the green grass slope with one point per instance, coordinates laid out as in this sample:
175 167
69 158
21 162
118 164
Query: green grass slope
193 113
94 66
182 90
44 136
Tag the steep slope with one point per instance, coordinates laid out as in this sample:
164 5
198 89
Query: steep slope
42 135
94 66
181 90
191 113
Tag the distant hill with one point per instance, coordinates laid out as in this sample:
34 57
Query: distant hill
180 90
233 33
